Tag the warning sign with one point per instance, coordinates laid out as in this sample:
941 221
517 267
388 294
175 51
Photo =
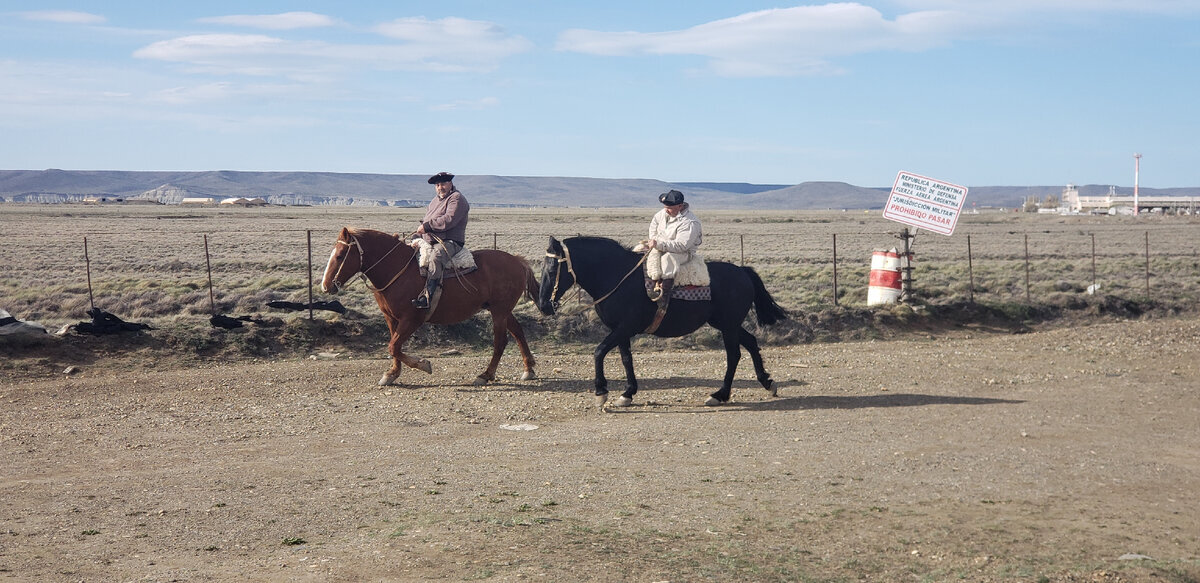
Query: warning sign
925 203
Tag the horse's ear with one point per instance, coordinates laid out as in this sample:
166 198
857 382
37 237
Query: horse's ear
554 244
345 234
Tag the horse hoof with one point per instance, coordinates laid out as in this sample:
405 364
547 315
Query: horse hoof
387 380
601 400
425 367
479 381
622 402
528 375
714 402
772 388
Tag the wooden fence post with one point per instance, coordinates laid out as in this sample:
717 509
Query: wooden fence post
88 261
1094 290
212 305
1147 265
310 297
970 272
835 282
1027 268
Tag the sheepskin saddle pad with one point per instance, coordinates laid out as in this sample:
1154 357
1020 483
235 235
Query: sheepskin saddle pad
462 263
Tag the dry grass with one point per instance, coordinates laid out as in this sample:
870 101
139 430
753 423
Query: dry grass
148 263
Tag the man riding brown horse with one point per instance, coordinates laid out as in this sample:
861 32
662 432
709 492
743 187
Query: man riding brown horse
445 228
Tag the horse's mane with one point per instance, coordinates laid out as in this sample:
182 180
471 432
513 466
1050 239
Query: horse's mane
369 233
595 243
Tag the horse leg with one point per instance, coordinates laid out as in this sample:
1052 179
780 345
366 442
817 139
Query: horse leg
600 353
631 388
751 343
401 333
733 353
499 341
514 328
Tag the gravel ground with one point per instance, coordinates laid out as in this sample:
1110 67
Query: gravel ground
1057 455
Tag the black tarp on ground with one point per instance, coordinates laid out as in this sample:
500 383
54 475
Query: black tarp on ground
106 323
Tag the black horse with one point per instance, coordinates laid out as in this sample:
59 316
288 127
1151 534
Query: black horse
613 275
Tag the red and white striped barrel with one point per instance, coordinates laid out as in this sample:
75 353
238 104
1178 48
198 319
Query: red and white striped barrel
885 283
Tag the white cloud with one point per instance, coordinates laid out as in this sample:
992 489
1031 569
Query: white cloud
783 41
64 16
219 91
803 40
1017 7
284 21
446 45
461 104
454 39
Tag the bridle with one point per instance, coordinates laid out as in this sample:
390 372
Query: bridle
363 272
566 258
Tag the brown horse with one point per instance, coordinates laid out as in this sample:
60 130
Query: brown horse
389 267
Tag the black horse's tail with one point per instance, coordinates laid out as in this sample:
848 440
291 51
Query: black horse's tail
768 311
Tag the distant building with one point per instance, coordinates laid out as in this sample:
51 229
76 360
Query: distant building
1112 203
198 201
243 202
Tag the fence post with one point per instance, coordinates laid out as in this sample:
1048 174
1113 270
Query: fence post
742 239
1147 265
1094 290
212 305
970 272
1027 300
310 298
835 294
494 247
87 260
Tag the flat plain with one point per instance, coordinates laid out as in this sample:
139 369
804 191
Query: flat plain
1064 453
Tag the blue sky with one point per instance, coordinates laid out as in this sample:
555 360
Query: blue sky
975 92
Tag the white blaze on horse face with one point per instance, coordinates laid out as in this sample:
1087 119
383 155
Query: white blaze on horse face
327 284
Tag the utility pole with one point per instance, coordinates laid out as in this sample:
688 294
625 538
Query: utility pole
1137 167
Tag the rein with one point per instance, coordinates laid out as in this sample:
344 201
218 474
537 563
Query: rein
354 243
566 258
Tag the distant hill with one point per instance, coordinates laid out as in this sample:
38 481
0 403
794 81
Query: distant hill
331 188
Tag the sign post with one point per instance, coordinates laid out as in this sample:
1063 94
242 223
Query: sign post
922 203
925 203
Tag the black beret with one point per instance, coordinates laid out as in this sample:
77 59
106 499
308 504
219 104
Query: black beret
441 177
671 198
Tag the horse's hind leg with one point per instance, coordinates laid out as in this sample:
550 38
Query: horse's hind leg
499 341
514 328
751 343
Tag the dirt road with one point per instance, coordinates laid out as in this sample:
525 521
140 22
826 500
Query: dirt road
1062 455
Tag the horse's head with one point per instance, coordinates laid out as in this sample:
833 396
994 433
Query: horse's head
557 277
345 261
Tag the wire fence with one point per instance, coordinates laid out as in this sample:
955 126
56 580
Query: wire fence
158 265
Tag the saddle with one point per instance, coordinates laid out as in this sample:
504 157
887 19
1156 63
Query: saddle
462 263
691 282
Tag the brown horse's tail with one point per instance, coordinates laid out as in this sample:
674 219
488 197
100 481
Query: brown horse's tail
533 289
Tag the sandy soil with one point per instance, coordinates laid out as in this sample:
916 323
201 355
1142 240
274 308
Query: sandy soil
1060 455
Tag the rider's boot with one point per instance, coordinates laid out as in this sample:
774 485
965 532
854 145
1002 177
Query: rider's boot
664 296
421 302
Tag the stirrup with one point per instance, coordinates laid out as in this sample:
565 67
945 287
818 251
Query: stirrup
656 292
421 302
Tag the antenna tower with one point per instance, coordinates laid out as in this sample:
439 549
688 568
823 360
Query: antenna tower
1137 167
